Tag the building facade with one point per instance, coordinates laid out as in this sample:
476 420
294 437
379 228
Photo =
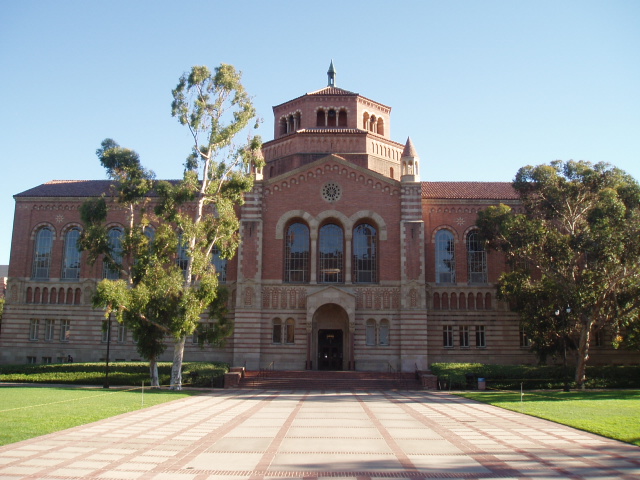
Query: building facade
348 259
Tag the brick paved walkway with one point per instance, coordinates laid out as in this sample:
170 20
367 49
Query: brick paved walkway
308 435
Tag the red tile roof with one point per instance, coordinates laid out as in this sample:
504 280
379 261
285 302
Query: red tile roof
469 190
433 190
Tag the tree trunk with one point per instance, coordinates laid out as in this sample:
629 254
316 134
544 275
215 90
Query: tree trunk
176 368
583 353
153 372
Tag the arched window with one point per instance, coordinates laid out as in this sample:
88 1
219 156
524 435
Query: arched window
330 255
332 118
370 332
112 271
384 332
296 254
220 264
320 118
365 253
42 253
445 257
380 126
436 301
365 121
342 118
290 331
487 301
71 262
454 301
276 331
476 258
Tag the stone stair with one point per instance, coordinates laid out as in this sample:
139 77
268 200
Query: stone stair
329 380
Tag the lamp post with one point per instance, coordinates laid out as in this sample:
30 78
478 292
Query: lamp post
564 346
106 373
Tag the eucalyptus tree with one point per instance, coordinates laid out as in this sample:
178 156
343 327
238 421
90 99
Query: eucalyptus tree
215 108
574 255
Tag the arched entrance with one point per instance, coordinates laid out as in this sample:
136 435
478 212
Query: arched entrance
331 338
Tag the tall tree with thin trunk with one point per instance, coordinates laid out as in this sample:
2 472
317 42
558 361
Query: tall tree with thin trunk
215 108
574 255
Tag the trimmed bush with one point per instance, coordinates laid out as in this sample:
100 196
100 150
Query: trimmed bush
461 376
120 373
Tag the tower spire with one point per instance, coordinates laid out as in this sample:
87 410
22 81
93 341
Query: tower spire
331 74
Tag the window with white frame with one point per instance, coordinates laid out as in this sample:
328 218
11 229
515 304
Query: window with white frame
370 332
71 260
445 257
220 264
383 334
447 336
106 331
111 268
290 331
276 331
65 330
46 360
296 255
42 253
122 333
49 328
464 336
365 247
525 341
31 360
330 254
34 329
481 338
476 258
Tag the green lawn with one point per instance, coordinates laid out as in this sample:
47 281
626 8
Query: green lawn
27 412
613 413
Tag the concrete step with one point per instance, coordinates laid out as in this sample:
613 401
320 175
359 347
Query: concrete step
329 380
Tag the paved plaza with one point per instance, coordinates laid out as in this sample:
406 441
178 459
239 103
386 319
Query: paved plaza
262 434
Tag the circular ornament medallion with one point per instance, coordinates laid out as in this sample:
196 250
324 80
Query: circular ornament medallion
331 192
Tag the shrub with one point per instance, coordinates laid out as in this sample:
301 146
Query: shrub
120 373
511 377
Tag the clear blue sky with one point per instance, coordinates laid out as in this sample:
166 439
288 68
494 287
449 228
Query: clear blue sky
482 87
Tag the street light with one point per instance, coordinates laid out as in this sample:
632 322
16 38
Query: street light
564 346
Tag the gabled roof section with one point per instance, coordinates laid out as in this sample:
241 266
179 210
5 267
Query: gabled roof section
72 188
469 190
332 91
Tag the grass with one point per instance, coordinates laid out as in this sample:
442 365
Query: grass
27 412
611 413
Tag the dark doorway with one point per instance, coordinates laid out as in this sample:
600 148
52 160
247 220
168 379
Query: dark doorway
330 350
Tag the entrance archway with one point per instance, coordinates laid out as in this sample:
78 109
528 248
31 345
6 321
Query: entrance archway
331 338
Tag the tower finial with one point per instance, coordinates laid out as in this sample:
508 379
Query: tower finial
331 74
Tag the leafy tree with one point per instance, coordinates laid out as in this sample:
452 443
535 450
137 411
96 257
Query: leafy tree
215 108
169 281
574 255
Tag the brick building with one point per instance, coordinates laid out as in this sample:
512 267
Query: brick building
348 260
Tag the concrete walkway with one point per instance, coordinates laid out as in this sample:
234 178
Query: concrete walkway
308 435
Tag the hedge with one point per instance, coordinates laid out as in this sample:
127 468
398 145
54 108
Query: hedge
461 376
198 374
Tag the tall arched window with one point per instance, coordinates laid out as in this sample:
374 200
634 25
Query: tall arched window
384 332
445 257
296 254
71 261
290 331
112 271
370 332
365 253
42 253
476 258
276 331
220 264
330 254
